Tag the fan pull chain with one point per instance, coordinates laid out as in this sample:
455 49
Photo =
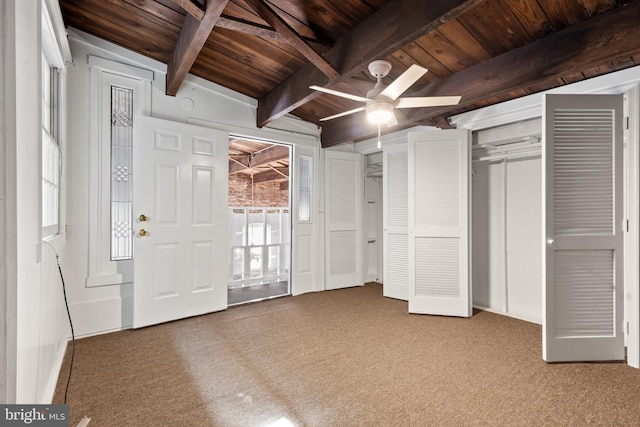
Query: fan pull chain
379 142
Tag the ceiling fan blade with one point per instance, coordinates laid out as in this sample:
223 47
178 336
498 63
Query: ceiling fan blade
344 113
402 83
427 101
338 93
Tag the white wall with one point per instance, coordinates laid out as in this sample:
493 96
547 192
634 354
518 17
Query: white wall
4 155
107 308
35 322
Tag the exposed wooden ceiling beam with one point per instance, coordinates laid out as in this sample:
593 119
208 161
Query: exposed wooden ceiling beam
265 32
285 30
604 38
191 8
390 28
193 36
265 156
266 176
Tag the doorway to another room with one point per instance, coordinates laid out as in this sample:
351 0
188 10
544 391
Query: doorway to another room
259 221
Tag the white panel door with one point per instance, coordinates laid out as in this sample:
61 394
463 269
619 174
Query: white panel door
344 197
583 262
180 185
439 196
395 188
304 219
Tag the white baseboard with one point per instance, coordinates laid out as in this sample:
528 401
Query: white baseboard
50 388
102 316
502 313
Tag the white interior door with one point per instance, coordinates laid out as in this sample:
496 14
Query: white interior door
395 184
343 218
304 219
180 185
439 196
583 263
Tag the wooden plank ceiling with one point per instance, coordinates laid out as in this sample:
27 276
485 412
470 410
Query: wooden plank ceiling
486 51
261 161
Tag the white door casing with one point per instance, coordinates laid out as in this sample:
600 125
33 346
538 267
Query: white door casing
304 196
395 182
583 235
439 226
180 175
344 196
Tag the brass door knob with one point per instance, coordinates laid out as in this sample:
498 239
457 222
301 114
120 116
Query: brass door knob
143 218
143 233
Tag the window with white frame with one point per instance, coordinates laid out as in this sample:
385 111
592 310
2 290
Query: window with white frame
304 189
50 149
118 92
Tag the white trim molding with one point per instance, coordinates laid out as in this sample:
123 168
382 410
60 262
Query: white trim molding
104 73
529 107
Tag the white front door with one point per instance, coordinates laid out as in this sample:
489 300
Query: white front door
344 196
395 183
304 220
583 221
180 186
439 200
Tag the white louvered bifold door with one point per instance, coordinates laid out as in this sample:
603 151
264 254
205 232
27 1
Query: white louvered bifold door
344 197
583 291
395 222
439 204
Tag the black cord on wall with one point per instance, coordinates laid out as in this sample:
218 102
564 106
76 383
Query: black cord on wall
73 336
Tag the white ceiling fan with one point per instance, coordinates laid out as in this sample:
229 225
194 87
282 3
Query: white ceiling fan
381 100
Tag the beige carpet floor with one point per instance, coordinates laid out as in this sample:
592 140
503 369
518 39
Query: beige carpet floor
341 358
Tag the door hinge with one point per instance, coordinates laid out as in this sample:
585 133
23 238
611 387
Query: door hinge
627 225
626 123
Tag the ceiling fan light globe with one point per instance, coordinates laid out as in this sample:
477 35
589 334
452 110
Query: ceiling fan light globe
379 112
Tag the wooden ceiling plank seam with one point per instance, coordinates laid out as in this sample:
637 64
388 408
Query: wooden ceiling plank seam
390 28
585 45
569 78
160 11
262 60
461 40
416 53
191 8
193 36
532 18
495 27
311 18
563 13
267 62
281 27
624 62
599 70
102 21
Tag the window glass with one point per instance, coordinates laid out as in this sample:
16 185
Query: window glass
121 183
